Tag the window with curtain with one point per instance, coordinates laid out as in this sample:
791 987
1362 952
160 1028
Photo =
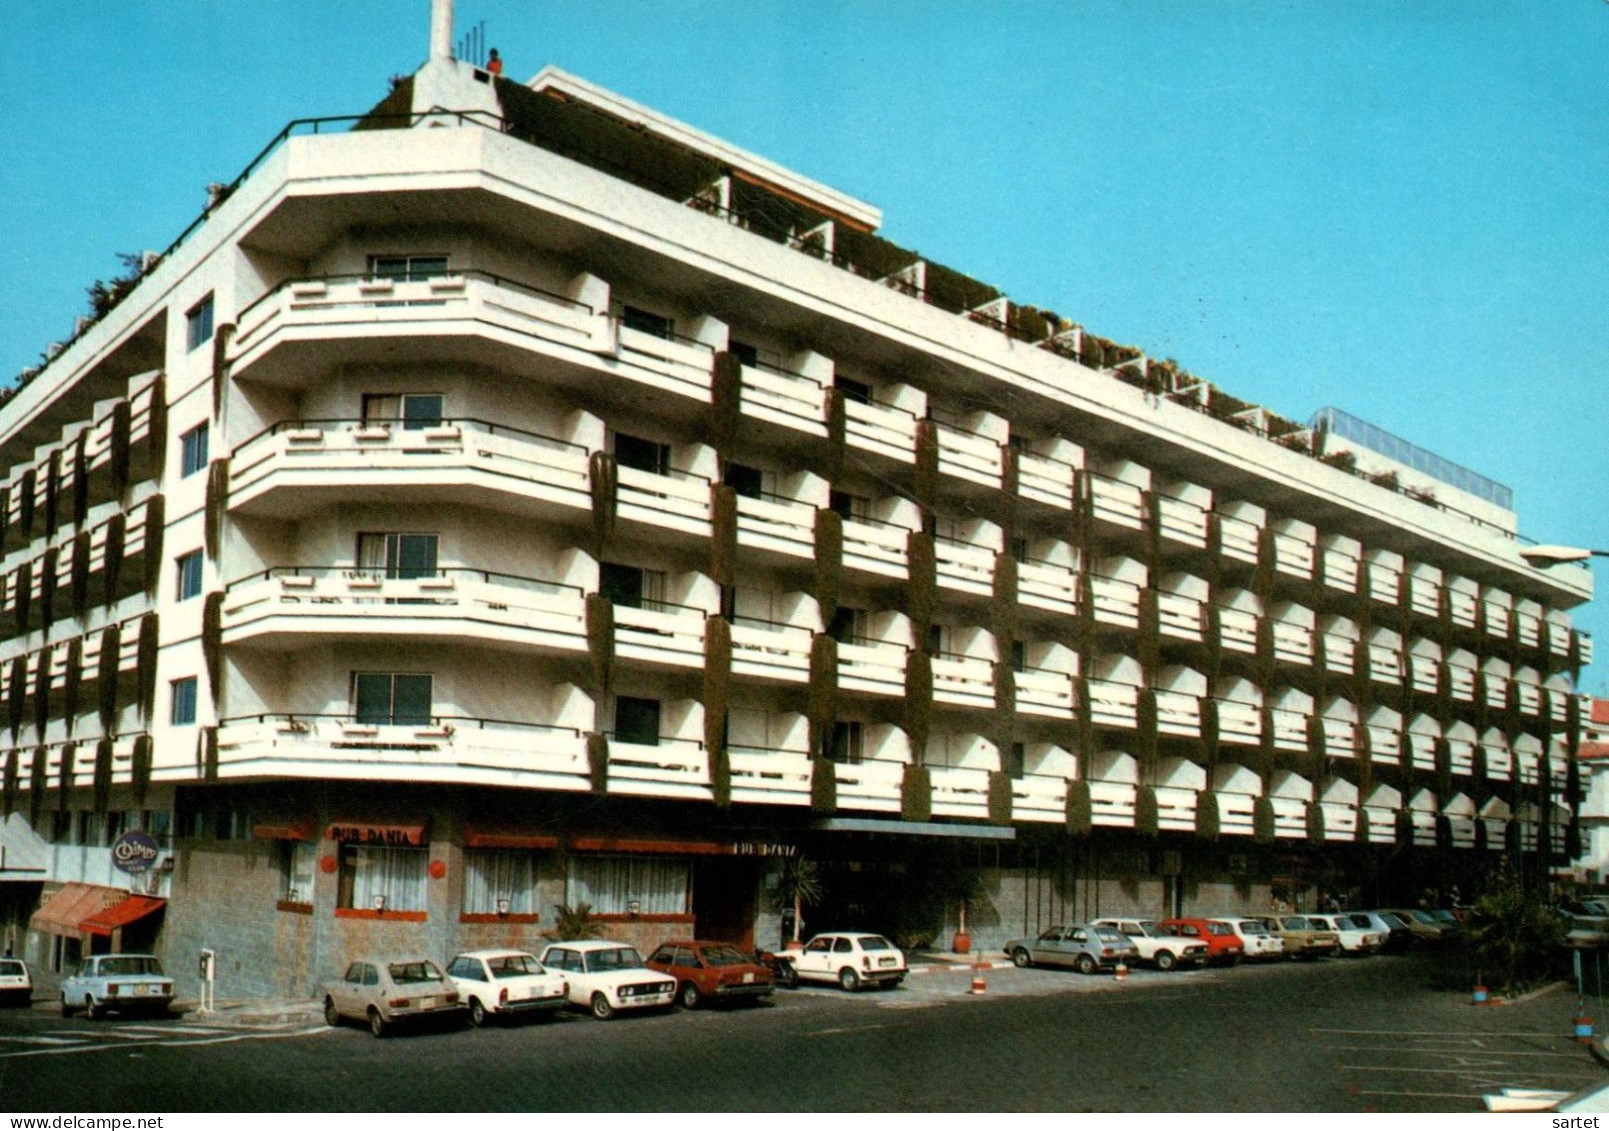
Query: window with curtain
391 699
297 861
405 556
494 874
396 873
611 883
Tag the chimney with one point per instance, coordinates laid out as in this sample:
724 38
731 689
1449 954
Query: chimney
441 29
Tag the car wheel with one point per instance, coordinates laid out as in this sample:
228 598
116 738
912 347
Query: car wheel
91 1010
377 1022
1165 960
788 976
332 1016
1022 958
1086 964
848 980
601 1009
66 1009
477 1012
689 996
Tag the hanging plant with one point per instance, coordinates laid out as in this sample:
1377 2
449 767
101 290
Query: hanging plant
22 584
80 573
603 478
42 692
8 793
122 431
1444 770
600 613
209 753
823 786
1003 606
1404 827
1207 819
926 484
1572 839
81 479
829 563
717 691
103 775
1080 808
49 567
1146 815
916 793
38 781
918 700
1209 729
1263 822
52 491
212 643
141 770
1151 527
29 489
1146 729
107 675
217 503
64 780
922 592
9 534
221 339
598 762
723 533
720 775
156 428
821 703
17 695
1083 718
1315 822
116 540
1481 839
155 532
1444 832
837 432
726 400
1000 798
1005 703
145 663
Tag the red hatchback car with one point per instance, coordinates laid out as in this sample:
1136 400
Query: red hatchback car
711 971
1224 947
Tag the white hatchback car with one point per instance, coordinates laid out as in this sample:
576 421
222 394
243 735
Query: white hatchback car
16 987
499 983
851 958
1258 940
1357 937
606 976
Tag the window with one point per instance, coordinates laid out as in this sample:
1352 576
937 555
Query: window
368 873
407 268
848 625
491 875
1016 761
630 586
613 884
297 861
413 410
644 455
1019 656
182 697
845 743
637 720
647 322
400 556
391 699
849 506
857 391
745 480
744 352
198 324
187 568
193 454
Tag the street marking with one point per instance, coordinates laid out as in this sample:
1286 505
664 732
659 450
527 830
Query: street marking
164 1030
44 1040
1441 1034
1426 1095
148 1043
1445 1052
853 1029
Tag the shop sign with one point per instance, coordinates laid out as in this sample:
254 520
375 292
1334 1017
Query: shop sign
134 852
386 836
750 848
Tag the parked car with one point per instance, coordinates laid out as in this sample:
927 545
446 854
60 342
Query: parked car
711 971
1086 947
1356 936
1302 937
1224 947
122 983
16 987
1156 946
506 983
1398 937
851 958
607 976
390 991
1426 931
1256 937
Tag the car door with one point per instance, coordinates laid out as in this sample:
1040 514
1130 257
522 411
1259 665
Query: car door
1050 948
815 961
472 978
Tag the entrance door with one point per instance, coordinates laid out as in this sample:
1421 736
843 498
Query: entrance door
723 899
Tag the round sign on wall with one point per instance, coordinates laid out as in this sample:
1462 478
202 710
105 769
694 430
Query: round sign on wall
134 852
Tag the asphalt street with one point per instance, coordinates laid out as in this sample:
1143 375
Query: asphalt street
1339 1035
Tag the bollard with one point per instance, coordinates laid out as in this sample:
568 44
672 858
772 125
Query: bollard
1121 973
980 984
1481 997
1583 1023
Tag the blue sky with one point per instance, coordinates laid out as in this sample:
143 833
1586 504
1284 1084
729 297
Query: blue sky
1398 208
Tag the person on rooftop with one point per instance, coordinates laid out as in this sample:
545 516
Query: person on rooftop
495 63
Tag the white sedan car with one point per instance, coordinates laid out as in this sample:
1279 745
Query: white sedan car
126 983
16 988
606 976
499 983
1357 937
850 958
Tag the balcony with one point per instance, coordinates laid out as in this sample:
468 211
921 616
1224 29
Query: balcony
770 650
1044 479
659 634
1049 586
769 777
964 567
880 429
1182 522
876 547
872 785
669 767
963 681
1115 503
960 791
299 466
777 526
784 398
293 606
969 456
467 750
1045 694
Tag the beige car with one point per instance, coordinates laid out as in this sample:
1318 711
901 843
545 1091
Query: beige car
384 992
1303 937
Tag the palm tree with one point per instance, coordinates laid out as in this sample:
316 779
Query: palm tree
799 886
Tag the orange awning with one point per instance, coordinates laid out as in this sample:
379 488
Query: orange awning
288 829
500 836
65 912
134 908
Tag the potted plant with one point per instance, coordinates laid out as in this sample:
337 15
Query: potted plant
962 942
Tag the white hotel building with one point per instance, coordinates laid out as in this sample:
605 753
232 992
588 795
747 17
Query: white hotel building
525 499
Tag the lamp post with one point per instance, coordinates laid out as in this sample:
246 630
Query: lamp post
1544 556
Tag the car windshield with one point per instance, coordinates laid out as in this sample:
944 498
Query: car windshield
1423 917
1150 929
412 973
615 958
10 968
1391 920
1252 927
125 966
1111 935
1356 922
875 942
1219 929
513 965
725 956
1444 916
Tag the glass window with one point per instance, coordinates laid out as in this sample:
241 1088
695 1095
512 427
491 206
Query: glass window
491 875
847 743
641 454
848 625
842 946
193 452
612 884
647 322
745 480
745 353
297 860
182 700
630 586
368 873
412 410
407 268
198 324
857 391
400 556
848 505
187 568
391 698
637 720
1016 761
